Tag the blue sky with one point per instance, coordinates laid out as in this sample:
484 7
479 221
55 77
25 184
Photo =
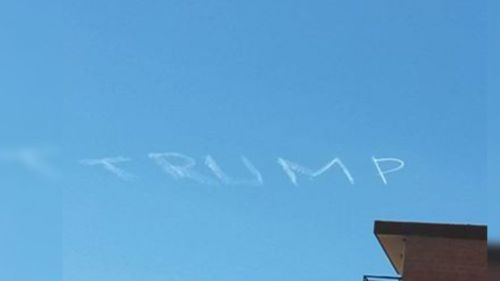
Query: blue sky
494 119
306 81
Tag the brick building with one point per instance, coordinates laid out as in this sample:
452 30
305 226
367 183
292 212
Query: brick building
494 262
434 252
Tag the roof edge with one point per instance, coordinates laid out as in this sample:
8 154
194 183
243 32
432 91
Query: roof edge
435 230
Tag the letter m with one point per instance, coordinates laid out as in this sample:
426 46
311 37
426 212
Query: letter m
292 169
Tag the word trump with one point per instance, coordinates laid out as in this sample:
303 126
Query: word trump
182 167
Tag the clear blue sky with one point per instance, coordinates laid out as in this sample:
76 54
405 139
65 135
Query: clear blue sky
305 80
493 122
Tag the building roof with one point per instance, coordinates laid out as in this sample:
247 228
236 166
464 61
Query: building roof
392 236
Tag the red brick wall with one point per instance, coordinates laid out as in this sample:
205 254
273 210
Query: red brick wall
494 273
443 259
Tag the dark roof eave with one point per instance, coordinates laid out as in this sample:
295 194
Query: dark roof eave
469 232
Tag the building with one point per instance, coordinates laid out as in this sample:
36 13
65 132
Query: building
434 252
494 262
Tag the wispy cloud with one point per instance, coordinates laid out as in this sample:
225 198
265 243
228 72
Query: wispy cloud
32 159
179 166
109 164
